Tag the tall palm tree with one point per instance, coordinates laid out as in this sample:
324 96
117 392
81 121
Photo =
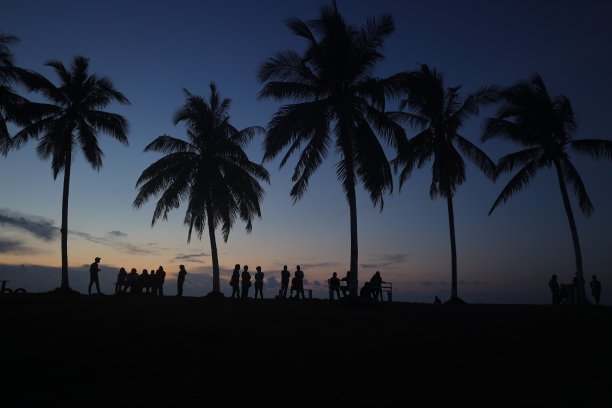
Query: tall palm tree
544 125
331 85
438 113
73 119
210 172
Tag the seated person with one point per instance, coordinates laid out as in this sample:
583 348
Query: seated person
347 279
366 293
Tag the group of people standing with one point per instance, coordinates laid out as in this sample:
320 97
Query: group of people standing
144 283
564 293
241 282
134 283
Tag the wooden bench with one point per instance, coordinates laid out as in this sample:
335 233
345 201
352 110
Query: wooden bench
386 287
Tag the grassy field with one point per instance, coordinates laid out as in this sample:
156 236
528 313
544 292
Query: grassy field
113 351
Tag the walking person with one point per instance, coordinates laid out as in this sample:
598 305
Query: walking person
259 277
94 269
180 280
553 284
235 282
596 289
246 281
285 276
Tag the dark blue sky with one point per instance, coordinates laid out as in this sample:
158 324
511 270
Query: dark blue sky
151 51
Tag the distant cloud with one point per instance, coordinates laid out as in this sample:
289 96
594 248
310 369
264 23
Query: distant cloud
40 227
305 266
191 257
432 283
117 234
10 246
109 242
386 261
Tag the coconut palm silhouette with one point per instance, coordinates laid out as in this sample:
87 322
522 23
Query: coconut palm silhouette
331 86
438 113
543 125
210 172
73 119
10 102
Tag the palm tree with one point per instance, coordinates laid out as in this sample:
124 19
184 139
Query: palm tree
544 125
331 84
438 113
72 120
210 172
9 100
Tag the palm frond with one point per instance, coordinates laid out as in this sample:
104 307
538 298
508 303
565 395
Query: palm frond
516 183
598 149
477 156
571 176
509 162
168 144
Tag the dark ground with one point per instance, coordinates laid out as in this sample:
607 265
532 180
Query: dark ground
108 351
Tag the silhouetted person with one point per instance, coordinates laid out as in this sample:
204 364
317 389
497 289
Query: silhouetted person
180 280
246 281
334 286
293 286
437 301
93 276
259 277
299 282
553 284
235 282
121 284
132 281
346 289
153 282
376 286
596 289
160 277
285 276
366 292
143 282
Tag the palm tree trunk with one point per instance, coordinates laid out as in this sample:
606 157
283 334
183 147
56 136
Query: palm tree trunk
65 195
580 292
451 226
213 251
354 246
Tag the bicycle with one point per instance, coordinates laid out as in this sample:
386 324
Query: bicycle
7 290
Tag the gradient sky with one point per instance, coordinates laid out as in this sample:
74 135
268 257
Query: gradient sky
151 52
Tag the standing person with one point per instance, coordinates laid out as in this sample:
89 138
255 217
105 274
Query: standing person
235 282
299 282
334 286
246 281
259 277
180 280
376 286
143 281
121 284
285 275
132 281
596 289
553 284
160 276
94 268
